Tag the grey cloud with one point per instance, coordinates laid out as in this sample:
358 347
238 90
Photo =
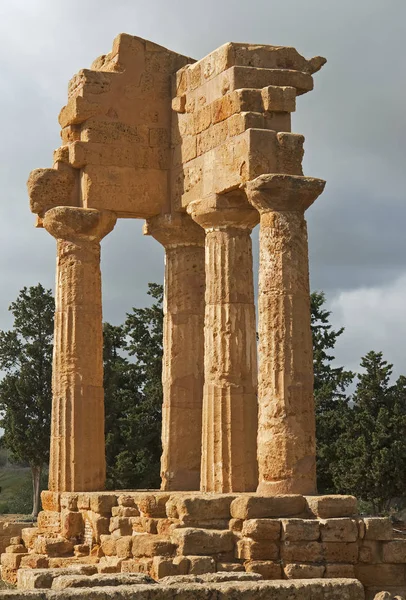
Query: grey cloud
353 122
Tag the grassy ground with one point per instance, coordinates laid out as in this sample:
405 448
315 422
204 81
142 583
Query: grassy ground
13 480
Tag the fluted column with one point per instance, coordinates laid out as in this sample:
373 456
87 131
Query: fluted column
77 460
182 369
230 365
286 418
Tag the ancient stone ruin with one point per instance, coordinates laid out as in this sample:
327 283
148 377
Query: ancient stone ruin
203 151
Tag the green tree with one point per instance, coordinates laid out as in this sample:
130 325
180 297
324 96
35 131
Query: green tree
133 392
330 384
372 449
25 390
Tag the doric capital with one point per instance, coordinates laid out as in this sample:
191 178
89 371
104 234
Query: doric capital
79 224
223 211
275 192
176 229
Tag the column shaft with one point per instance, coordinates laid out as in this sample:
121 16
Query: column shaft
182 374
183 348
286 430
229 399
77 459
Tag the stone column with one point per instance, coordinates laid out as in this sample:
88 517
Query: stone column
286 419
230 365
77 461
182 368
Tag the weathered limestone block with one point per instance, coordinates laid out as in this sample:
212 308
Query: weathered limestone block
378 528
152 505
230 567
248 549
48 188
381 575
164 567
63 562
301 552
109 564
192 509
49 521
151 545
52 546
34 561
370 552
122 524
69 501
102 503
77 459
183 344
108 545
16 549
51 501
83 502
124 546
99 580
12 561
202 541
137 565
221 590
303 571
81 550
340 571
262 507
229 396
267 568
286 422
198 565
262 529
393 552
298 530
72 524
236 525
127 500
29 579
336 552
99 525
240 158
125 511
330 507
339 530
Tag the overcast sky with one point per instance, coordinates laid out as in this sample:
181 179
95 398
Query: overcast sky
354 123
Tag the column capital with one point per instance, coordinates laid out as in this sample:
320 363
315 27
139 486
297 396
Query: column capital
223 211
274 192
79 224
176 229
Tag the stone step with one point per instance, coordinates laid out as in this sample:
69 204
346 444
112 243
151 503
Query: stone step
328 589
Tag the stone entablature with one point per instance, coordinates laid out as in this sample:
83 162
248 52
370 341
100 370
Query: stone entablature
165 534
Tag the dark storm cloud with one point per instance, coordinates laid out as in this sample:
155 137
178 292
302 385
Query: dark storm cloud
354 125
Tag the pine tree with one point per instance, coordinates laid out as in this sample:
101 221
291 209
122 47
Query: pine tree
372 450
330 384
25 391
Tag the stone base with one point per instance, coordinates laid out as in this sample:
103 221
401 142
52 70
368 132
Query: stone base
206 587
163 534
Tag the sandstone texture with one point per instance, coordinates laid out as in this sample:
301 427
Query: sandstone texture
345 589
203 151
197 148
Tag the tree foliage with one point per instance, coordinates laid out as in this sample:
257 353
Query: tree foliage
25 390
330 385
133 393
371 453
